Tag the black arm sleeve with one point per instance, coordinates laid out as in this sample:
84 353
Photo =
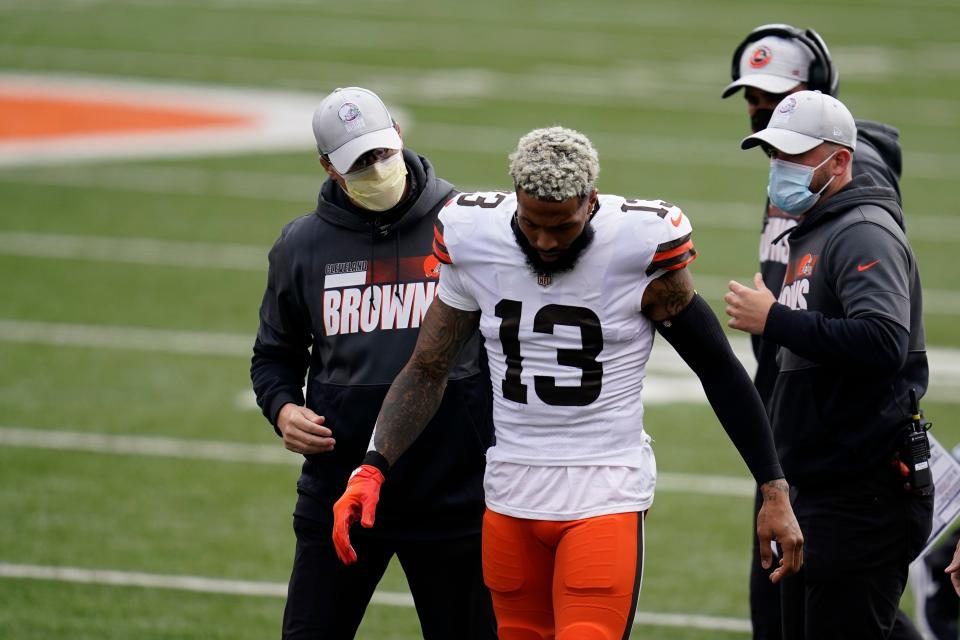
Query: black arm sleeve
697 336
873 342
281 351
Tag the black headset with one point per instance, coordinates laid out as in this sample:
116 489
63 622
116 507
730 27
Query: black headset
821 76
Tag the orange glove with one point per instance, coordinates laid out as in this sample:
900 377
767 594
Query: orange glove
358 502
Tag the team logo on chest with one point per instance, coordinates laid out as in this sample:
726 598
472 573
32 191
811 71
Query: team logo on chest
361 296
805 267
796 283
431 267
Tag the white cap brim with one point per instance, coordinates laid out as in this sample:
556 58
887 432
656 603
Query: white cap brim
783 140
762 81
344 157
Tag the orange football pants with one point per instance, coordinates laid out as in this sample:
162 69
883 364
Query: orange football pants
568 580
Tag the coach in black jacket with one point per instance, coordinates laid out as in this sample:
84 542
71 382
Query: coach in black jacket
849 327
771 62
347 288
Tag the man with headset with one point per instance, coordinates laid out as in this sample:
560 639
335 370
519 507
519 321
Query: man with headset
775 60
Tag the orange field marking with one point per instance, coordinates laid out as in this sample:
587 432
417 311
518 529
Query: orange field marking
44 117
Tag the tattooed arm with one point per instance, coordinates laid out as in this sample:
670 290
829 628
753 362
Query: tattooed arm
667 295
416 392
412 400
689 325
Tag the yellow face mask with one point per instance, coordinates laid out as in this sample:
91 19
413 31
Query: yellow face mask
380 186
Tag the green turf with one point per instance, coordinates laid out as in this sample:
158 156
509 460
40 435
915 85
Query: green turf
642 79
52 611
125 210
130 392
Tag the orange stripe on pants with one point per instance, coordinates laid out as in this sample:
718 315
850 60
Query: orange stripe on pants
569 580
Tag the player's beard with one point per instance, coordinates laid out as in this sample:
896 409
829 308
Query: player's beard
760 119
566 261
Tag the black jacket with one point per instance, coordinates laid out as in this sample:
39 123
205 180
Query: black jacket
878 155
850 329
345 294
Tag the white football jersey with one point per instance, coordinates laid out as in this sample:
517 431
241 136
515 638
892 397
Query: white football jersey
567 352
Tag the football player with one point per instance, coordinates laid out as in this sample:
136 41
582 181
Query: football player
567 286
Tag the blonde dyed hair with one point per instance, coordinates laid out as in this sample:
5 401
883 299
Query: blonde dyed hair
555 163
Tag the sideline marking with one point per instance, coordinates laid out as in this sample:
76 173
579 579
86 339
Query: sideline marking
146 251
301 189
262 589
132 338
153 119
281 120
39 117
665 366
242 257
189 449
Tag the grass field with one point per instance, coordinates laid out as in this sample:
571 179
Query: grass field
112 366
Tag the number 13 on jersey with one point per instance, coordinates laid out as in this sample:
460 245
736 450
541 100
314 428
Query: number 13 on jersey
584 358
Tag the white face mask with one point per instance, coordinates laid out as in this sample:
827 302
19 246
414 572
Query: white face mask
380 186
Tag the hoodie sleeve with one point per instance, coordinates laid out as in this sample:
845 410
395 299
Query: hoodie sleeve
870 271
281 351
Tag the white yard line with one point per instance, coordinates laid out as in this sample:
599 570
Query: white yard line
253 258
301 190
691 621
134 251
147 580
150 446
189 449
263 589
670 380
127 338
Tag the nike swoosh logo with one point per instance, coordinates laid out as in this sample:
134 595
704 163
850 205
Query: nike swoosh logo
676 221
864 267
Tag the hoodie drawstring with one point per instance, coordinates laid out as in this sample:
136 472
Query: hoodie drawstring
373 240
785 233
396 254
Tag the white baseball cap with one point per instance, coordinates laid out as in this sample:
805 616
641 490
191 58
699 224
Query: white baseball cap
804 120
350 122
772 64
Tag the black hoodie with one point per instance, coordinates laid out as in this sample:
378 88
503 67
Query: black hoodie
878 155
851 338
346 291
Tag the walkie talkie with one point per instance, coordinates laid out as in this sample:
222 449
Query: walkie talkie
915 452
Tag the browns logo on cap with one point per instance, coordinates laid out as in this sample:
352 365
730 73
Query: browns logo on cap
761 57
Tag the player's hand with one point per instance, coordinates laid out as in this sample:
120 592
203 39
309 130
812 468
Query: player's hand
748 308
954 569
303 430
358 502
776 522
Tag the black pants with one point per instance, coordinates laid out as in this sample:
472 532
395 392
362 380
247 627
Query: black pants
859 539
326 599
765 615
